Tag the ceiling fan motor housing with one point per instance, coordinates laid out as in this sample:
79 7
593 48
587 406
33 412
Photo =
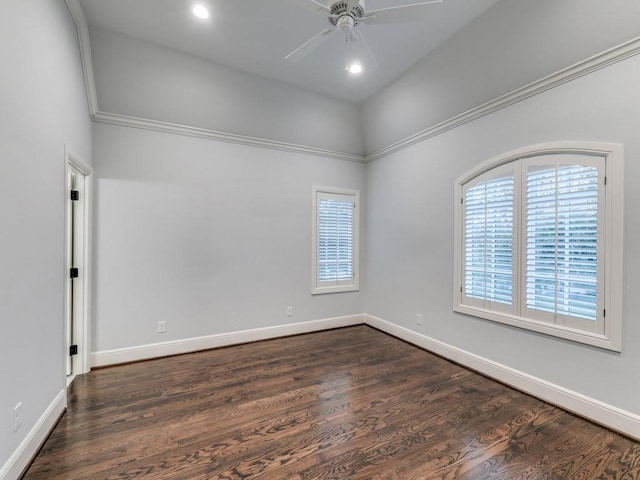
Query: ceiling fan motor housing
339 9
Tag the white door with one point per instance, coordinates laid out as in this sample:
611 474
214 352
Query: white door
75 263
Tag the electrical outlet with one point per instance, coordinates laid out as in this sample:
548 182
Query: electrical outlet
162 326
289 311
17 416
419 319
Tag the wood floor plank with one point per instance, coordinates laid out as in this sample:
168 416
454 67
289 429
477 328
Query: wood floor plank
351 403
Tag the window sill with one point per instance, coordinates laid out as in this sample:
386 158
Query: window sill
607 342
334 289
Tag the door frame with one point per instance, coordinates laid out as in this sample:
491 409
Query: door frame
80 325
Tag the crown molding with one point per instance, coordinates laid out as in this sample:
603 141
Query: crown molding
85 53
125 120
164 127
585 67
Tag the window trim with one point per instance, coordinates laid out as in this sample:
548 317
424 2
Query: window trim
316 286
611 339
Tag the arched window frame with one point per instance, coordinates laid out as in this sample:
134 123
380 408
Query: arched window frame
606 330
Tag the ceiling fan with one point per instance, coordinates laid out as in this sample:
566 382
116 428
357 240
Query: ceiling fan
345 16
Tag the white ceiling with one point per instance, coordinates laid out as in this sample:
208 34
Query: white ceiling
256 35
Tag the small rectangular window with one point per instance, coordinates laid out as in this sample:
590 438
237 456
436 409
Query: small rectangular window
335 240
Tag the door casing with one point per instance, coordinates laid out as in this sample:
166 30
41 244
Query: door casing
82 285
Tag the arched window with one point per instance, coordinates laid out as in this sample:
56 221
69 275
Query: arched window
539 241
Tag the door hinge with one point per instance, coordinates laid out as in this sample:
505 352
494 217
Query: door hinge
73 350
75 195
73 273
604 312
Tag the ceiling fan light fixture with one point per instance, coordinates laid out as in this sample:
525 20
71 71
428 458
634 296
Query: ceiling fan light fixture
346 16
354 68
200 11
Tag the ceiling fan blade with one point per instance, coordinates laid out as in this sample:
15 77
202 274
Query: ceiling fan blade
367 57
311 44
358 55
403 13
319 7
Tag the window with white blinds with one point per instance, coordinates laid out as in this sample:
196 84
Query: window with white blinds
335 252
489 240
563 211
537 243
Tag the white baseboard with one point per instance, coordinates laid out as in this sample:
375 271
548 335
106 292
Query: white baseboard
175 347
34 439
594 410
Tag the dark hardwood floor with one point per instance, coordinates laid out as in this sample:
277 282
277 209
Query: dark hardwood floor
352 403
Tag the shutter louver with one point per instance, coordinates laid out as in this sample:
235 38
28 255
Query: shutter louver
489 240
562 240
335 240
539 241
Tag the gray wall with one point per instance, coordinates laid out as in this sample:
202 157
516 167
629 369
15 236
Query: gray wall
144 80
410 232
211 237
511 45
42 106
215 237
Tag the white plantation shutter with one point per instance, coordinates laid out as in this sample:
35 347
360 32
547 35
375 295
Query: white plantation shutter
335 238
563 241
488 239
539 241
335 241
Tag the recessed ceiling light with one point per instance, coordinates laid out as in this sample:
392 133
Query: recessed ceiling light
200 11
354 68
